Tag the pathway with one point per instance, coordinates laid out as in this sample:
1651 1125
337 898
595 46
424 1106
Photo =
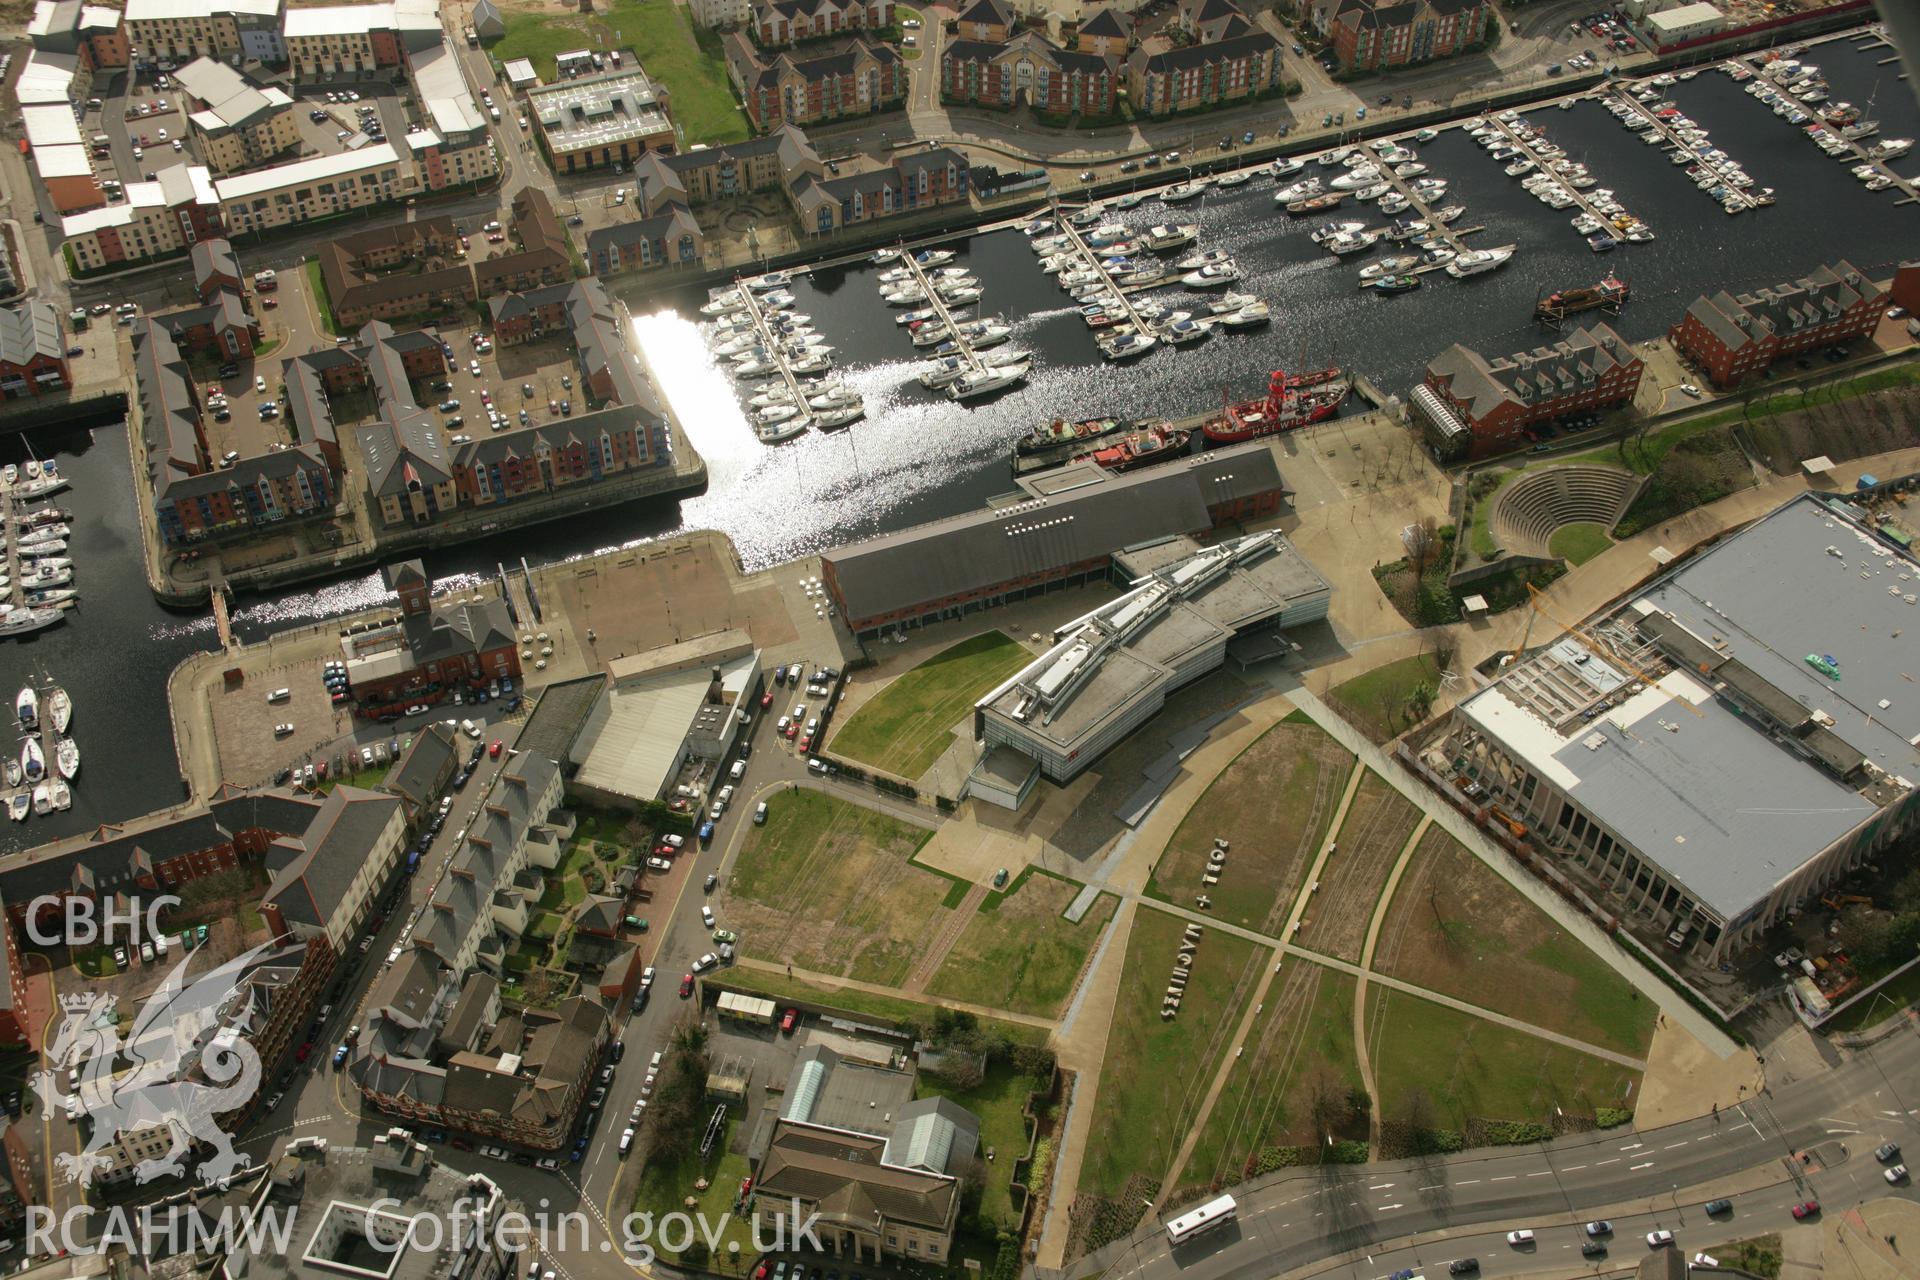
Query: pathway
950 930
1302 896
1562 912
1397 984
833 982
1362 1055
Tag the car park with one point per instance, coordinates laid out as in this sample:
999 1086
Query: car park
659 864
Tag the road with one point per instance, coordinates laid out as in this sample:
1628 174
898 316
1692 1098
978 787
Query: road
1369 1221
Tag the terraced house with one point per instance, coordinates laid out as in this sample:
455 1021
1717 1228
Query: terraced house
1029 70
1367 35
192 499
831 82
780 23
368 276
1230 59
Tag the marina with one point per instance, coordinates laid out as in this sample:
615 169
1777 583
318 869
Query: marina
918 456
1838 130
36 575
1658 122
958 368
1542 165
40 777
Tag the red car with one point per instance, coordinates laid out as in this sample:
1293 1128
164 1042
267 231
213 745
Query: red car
787 1021
793 729
1806 1209
300 1054
664 850
760 1272
269 303
806 744
686 986
494 751
766 700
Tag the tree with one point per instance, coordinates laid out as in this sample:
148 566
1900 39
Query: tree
1417 1118
1420 701
689 1037
1327 1103
1421 542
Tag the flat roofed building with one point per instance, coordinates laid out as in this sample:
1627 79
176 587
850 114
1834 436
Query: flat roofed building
615 116
1110 670
662 710
1729 742
308 189
182 29
1062 526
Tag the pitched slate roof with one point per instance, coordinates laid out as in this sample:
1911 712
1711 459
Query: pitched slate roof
169 409
213 257
1542 373
1110 23
313 871
842 1175
433 755
29 330
1253 44
989 12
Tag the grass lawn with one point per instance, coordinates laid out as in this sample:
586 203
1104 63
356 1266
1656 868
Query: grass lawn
1579 542
1376 701
1157 1071
664 1187
1457 926
895 1010
828 885
1471 1068
1272 805
1023 956
904 728
317 289
1308 1020
997 1101
688 63
365 779
1378 824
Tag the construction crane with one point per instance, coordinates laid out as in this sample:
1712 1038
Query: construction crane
1534 597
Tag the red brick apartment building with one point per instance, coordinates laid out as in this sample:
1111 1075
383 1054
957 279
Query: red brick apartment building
1735 336
786 22
1594 368
1370 34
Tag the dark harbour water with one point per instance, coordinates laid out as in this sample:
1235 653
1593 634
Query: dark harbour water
917 458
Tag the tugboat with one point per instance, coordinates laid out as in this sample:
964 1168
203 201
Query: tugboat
1141 448
1283 408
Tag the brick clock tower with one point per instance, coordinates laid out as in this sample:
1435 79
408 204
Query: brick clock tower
409 580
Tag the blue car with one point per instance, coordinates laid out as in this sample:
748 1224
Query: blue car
340 1057
706 832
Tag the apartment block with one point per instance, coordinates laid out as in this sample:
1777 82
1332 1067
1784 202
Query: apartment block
1736 336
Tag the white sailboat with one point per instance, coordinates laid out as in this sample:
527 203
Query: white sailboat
33 765
59 708
66 757
27 706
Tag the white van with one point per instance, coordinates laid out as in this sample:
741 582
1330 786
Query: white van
279 695
738 771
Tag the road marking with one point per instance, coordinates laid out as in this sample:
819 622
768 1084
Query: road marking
1672 1145
1845 1132
1508 1177
1647 1165
1615 1160
1633 1146
1544 1173
1380 1186
1469 1182
1435 1187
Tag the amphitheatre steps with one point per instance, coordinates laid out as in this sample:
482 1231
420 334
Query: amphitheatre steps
1529 509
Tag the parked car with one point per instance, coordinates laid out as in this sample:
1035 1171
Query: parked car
1887 1152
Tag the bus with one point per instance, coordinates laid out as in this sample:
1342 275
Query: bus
1205 1217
